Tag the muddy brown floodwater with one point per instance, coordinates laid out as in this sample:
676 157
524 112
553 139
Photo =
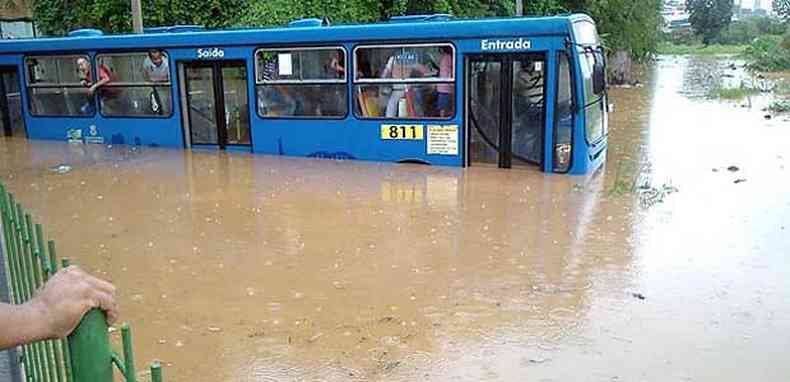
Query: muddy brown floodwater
666 266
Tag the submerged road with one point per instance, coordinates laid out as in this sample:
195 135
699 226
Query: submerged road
668 265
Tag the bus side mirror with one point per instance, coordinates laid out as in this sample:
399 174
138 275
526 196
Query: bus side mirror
599 74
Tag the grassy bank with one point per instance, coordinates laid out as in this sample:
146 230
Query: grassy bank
733 94
670 48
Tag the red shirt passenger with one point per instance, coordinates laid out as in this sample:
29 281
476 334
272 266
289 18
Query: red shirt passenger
105 76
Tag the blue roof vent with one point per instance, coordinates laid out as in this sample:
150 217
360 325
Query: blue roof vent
87 32
419 18
307 23
175 29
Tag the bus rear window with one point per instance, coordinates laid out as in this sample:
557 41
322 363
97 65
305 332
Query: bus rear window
301 82
405 81
56 87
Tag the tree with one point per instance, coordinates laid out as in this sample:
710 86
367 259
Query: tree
709 17
782 8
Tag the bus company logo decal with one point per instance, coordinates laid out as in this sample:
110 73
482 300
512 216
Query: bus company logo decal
509 44
210 53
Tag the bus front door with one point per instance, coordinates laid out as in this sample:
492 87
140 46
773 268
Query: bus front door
505 98
217 106
13 125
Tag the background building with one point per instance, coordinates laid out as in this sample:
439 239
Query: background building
16 20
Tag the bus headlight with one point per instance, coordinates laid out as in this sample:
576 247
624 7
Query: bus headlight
562 157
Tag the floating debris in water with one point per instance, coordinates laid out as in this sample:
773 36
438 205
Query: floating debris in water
733 168
61 169
740 180
638 295
650 196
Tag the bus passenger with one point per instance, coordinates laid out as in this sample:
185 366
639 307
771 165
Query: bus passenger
330 102
87 77
335 68
155 67
444 90
528 104
402 66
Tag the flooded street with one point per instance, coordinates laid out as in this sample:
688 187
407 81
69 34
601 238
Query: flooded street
668 265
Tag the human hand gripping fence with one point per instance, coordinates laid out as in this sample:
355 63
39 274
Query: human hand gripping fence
85 355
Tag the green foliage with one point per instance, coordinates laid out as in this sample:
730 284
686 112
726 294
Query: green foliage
545 7
56 17
629 25
709 17
767 53
280 12
746 30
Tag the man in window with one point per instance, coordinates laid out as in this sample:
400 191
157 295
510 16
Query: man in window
155 67
87 77
105 77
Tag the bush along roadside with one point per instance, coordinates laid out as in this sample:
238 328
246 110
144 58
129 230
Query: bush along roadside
768 53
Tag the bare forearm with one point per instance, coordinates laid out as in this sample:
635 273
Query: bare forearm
21 324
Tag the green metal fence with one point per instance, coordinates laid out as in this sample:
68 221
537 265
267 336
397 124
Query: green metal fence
86 355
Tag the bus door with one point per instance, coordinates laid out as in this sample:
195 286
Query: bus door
12 123
215 94
505 113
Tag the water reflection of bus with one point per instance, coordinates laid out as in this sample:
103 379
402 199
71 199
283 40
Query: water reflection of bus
428 89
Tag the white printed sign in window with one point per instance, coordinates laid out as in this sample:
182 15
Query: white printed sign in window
284 60
443 139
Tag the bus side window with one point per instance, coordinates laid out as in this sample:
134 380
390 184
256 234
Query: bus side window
405 81
55 88
301 82
139 85
593 110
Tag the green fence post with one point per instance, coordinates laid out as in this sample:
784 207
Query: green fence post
89 346
128 354
37 282
43 263
30 285
156 372
64 342
7 277
15 248
58 345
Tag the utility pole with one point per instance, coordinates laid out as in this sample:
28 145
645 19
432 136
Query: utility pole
519 7
137 16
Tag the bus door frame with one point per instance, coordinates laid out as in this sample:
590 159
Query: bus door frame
219 101
4 107
505 152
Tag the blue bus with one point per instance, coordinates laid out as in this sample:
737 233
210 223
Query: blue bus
508 92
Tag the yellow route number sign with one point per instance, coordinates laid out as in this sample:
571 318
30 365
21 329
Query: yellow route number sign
403 132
